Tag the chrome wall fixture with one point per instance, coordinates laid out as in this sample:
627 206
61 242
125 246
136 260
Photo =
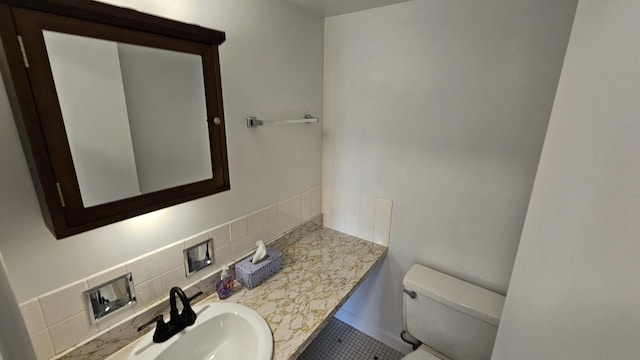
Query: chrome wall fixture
198 257
109 297
252 121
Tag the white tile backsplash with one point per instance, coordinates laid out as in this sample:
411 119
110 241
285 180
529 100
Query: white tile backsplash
239 247
239 228
283 224
222 255
339 210
141 269
305 206
196 239
221 236
367 218
270 232
351 228
32 316
295 218
305 213
284 207
71 331
59 319
169 257
337 223
42 345
381 237
327 207
106 276
115 318
365 232
158 262
60 304
149 292
364 216
382 222
270 214
339 196
316 207
368 203
353 214
255 221
254 236
383 207
176 277
353 199
316 197
327 194
294 203
327 221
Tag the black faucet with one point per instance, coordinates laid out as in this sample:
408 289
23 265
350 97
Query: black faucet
177 321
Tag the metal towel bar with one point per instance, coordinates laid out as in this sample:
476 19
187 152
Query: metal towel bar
252 121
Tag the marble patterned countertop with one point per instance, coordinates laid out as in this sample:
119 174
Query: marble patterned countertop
319 273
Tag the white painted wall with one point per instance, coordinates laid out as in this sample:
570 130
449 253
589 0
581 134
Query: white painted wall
441 107
338 7
271 67
575 289
14 339
95 117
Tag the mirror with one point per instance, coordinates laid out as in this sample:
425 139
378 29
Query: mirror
120 113
119 104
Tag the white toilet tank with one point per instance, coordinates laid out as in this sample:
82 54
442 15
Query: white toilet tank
449 315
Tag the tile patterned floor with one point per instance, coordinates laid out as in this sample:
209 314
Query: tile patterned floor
339 341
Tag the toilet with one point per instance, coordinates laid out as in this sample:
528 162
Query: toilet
455 318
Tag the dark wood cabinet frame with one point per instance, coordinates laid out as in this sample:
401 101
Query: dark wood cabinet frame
38 116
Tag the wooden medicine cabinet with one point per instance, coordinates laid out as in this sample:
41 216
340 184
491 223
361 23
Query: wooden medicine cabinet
119 112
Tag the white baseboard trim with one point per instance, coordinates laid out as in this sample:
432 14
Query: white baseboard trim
384 337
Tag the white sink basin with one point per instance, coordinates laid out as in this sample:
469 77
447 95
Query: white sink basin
223 331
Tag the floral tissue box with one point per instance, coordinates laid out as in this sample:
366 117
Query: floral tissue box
251 275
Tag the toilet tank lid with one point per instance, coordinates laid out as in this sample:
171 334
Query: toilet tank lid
455 293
